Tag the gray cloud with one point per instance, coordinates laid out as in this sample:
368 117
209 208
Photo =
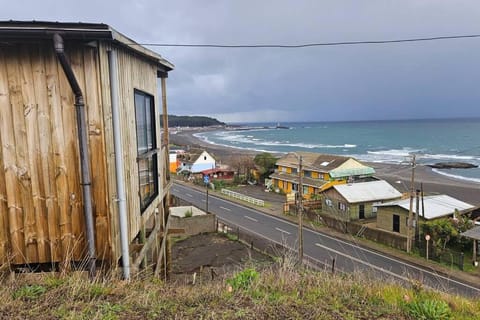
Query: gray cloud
416 80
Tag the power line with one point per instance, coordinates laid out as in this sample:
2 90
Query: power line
306 45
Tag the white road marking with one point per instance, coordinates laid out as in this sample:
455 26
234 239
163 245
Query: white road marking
203 200
281 230
225 208
361 261
338 240
250 218
188 194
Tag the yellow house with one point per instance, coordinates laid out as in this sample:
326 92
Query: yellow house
319 172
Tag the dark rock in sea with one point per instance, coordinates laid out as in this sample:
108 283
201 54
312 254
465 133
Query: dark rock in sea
452 165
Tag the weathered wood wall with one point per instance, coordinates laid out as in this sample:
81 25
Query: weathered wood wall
41 211
133 73
41 207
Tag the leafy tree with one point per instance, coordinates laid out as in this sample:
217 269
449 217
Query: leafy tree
446 230
266 164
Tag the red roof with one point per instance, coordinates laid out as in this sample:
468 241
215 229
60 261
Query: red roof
216 170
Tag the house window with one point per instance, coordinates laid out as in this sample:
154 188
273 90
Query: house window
328 202
146 148
204 157
342 206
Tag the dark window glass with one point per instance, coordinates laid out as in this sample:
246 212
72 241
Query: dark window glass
146 148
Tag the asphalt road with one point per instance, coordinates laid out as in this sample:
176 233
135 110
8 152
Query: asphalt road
322 248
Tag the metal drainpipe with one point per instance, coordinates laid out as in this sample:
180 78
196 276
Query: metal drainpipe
84 154
121 194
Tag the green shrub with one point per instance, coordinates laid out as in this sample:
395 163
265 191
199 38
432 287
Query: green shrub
188 213
28 292
242 280
429 310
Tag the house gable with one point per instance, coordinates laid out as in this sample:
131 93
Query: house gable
203 162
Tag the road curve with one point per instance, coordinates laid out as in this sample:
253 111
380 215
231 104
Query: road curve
320 247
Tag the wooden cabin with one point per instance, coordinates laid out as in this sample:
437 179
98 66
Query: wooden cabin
355 201
49 184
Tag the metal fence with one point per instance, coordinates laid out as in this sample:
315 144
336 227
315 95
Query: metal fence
243 197
445 256
280 250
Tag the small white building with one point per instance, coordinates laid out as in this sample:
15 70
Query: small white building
196 163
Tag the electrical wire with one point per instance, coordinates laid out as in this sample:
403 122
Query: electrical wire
306 45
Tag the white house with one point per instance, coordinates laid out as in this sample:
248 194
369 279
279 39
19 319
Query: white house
196 163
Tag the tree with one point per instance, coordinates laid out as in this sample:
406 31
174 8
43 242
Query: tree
242 165
447 230
266 164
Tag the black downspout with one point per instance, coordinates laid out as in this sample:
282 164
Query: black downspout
83 148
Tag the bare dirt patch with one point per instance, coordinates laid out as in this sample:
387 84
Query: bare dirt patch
212 254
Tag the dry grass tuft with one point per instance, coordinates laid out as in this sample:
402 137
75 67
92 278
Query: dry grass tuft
279 291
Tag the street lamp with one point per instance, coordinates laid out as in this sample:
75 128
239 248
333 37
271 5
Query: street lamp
300 209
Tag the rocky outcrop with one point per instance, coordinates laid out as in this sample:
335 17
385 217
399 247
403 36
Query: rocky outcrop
452 165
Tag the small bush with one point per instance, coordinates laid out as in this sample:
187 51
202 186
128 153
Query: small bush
242 280
29 292
429 310
188 213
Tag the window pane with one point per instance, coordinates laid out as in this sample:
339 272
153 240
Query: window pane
147 166
148 122
140 115
147 169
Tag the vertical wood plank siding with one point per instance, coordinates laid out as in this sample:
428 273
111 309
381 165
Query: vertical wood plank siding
41 210
133 73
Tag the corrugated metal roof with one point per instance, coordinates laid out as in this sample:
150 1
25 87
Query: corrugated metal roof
312 161
473 233
435 206
326 163
79 31
339 173
367 191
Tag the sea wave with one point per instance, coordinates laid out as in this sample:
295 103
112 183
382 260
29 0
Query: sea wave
206 140
248 139
404 152
446 156
443 173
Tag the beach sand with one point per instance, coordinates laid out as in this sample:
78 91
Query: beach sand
397 175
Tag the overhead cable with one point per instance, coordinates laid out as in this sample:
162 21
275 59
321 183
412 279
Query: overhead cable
306 45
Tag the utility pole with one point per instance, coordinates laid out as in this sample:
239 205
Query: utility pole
410 211
300 211
417 224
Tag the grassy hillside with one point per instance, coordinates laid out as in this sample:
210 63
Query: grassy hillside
273 292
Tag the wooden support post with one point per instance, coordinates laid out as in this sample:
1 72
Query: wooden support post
153 235
143 239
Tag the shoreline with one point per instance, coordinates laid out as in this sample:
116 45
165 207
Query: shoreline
397 175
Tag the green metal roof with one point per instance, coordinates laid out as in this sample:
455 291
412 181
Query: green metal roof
339 173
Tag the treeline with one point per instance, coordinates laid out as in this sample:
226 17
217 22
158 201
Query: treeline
191 121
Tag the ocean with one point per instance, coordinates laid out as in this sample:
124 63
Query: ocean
432 141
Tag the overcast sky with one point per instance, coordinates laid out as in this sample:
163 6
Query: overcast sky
365 82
